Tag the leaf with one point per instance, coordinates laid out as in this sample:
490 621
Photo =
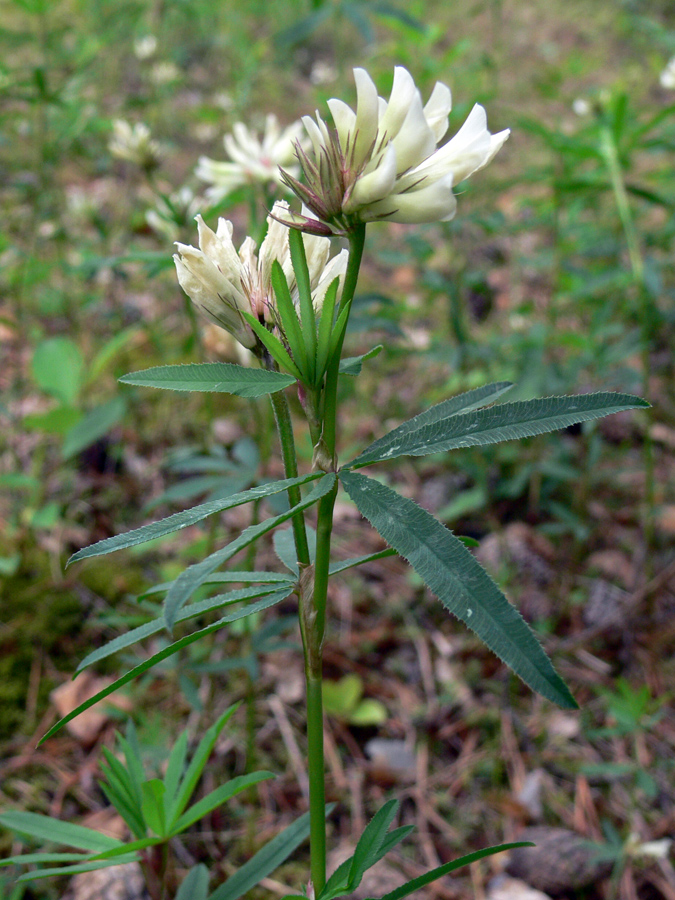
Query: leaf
296 245
352 365
410 886
152 805
76 869
57 368
265 861
505 422
290 323
359 561
195 885
273 345
225 378
216 798
284 547
174 772
165 653
368 846
195 609
55 831
197 763
325 329
28 858
194 576
93 426
460 582
186 518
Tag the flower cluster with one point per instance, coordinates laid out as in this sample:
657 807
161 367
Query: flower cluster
382 161
134 143
223 283
253 159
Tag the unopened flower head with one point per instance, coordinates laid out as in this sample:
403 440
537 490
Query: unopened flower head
135 144
383 161
667 77
223 283
253 159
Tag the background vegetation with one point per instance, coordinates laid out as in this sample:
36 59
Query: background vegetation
557 273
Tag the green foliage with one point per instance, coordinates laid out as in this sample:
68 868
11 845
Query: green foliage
156 810
460 582
344 700
211 377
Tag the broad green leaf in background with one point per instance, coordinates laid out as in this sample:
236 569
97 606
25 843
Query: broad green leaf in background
460 582
92 426
57 368
504 422
224 378
188 517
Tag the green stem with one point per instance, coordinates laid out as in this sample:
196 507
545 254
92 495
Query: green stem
282 415
313 603
610 153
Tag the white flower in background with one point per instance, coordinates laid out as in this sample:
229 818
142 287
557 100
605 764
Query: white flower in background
174 212
145 47
135 144
667 77
164 73
253 159
222 283
581 106
382 161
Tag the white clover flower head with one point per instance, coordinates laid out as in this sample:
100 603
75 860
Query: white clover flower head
223 283
382 161
667 77
164 72
145 47
253 159
134 143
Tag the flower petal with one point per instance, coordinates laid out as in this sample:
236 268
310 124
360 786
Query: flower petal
375 185
438 109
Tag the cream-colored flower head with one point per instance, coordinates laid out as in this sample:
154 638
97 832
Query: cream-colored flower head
135 144
253 159
382 160
223 283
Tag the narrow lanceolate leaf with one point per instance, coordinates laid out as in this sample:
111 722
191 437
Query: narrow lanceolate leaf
460 582
44 828
188 517
352 365
216 798
410 886
165 653
359 561
76 869
122 641
368 846
193 577
197 763
504 422
224 378
195 886
265 861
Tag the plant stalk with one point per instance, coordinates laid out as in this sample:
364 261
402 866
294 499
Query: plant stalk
313 603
